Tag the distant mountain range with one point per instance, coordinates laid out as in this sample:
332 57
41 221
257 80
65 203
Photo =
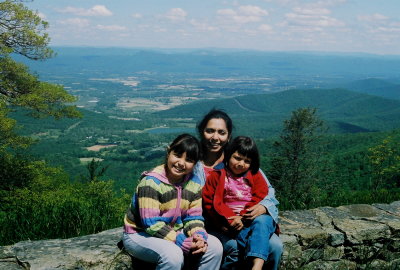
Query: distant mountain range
342 110
125 61
374 86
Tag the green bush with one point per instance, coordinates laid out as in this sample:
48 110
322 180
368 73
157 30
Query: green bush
52 207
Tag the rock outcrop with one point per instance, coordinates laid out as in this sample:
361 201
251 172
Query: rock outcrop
346 237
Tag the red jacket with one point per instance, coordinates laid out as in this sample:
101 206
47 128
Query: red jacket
215 210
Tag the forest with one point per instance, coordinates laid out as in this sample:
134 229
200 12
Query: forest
74 142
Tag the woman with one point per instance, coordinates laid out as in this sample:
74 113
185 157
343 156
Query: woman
215 131
164 224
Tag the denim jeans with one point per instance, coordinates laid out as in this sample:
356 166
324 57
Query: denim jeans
231 246
253 239
168 256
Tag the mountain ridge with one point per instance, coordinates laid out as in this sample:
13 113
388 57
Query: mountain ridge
362 111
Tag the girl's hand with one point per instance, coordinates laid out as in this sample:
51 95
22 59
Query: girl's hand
236 223
224 229
199 246
255 211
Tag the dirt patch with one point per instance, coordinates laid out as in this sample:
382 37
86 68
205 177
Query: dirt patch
98 147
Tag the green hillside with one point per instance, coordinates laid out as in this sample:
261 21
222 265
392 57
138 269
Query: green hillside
376 87
258 114
343 110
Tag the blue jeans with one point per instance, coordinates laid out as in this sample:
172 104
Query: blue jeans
166 255
231 246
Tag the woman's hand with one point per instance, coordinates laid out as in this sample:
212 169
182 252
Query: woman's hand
199 246
236 223
254 212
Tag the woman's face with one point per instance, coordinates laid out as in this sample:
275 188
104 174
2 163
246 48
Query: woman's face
178 166
215 135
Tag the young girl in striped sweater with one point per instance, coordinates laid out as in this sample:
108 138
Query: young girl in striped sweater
164 224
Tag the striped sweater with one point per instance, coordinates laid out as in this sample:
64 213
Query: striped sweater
167 211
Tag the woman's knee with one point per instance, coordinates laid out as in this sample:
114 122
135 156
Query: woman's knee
275 245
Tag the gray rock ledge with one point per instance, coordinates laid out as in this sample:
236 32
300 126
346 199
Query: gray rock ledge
346 237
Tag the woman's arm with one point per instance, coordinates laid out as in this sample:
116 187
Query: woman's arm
267 206
270 202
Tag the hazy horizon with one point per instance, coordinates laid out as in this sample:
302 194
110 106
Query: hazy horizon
339 26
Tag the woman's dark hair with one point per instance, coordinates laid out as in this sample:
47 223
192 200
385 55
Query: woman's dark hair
247 147
214 114
186 143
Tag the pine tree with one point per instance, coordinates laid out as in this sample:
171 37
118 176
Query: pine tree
295 164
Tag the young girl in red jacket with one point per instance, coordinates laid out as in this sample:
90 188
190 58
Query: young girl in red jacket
229 193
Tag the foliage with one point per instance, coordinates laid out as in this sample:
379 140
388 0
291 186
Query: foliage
297 158
22 32
49 206
8 136
15 170
95 170
31 193
385 161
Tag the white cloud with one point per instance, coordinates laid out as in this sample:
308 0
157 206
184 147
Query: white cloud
252 11
202 26
97 10
176 14
265 28
137 15
111 27
311 17
76 22
330 3
243 14
312 11
372 18
389 29
381 26
306 20
159 29
310 4
41 15
226 12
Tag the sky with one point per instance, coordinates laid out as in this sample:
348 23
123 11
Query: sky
367 26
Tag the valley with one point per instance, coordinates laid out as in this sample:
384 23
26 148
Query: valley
134 102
